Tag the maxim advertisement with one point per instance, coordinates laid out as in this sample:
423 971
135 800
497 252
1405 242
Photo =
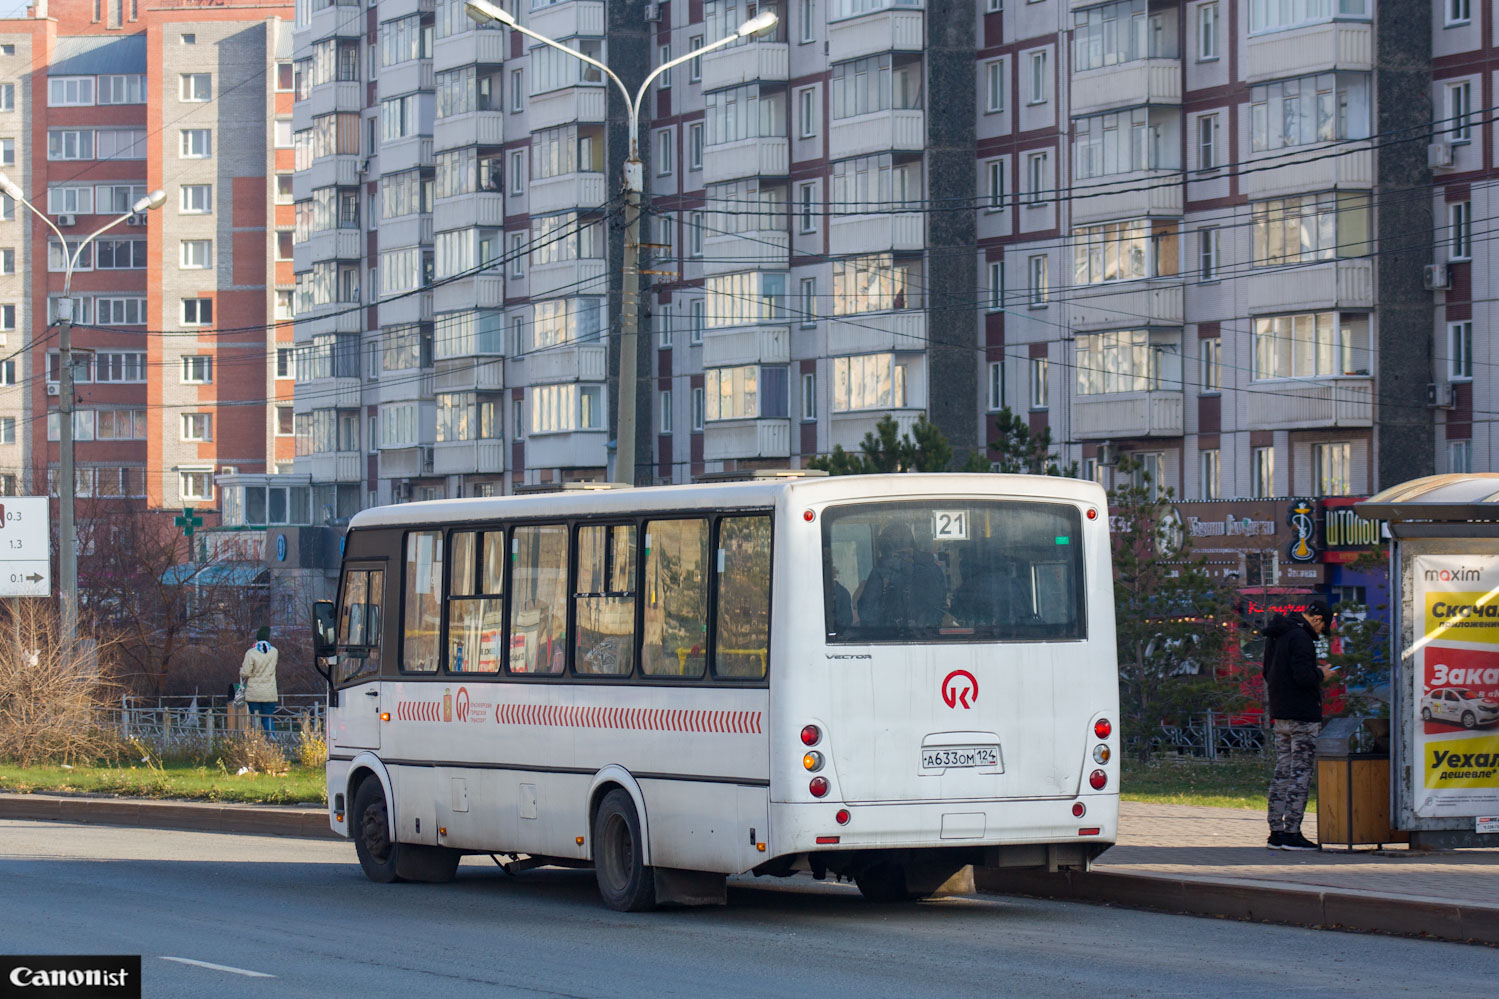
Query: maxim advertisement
1457 689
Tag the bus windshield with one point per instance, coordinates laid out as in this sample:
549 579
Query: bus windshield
953 571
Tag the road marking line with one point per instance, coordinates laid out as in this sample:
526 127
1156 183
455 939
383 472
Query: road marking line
217 967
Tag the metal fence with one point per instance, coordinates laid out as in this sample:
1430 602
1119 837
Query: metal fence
181 723
1210 735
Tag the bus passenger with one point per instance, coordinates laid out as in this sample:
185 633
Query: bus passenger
840 606
906 588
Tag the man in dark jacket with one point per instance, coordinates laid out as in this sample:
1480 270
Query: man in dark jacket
1293 681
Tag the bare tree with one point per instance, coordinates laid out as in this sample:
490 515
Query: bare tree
52 698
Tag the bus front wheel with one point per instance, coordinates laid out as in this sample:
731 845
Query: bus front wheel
625 882
384 860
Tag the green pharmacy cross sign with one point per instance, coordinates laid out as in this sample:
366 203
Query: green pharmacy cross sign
188 522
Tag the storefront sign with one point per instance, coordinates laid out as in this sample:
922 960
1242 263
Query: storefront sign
1457 703
1344 530
1303 523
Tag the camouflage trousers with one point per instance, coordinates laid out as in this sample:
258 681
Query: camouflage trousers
1295 759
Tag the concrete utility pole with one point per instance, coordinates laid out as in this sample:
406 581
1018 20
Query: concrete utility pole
67 486
485 12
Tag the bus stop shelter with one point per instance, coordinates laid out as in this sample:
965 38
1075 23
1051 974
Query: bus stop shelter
1444 594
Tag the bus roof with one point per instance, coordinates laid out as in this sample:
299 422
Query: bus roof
759 494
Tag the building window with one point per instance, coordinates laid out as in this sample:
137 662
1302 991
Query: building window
1207 253
664 158
1038 281
663 82
282 133
7 152
1207 32
1150 473
695 146
196 254
8 322
7 431
1038 77
695 66
808 301
994 86
1459 457
517 92
517 172
1124 251
7 96
70 144
284 246
1275 16
8 260
1310 227
996 386
809 396
285 77
1331 473
996 285
697 315
1207 142
806 112
1211 349
699 408
197 369
1311 345
70 91
806 206
1309 109
196 199
995 172
283 306
196 484
195 88
284 189
1039 175
197 426
1128 361
1123 142
1262 472
695 234
870 381
1460 351
1040 387
197 144
285 421
1209 465
197 312
1458 12
517 254
285 362
189 39
1460 230
664 406
809 21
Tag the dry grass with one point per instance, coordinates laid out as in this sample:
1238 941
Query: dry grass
311 751
251 750
52 700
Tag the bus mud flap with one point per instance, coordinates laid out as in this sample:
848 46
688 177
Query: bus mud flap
678 887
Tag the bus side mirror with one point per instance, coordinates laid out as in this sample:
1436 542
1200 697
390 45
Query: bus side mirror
323 629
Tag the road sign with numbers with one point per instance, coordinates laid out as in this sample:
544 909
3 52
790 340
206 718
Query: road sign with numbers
25 547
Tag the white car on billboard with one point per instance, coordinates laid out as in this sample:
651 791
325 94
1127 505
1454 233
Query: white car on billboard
1460 706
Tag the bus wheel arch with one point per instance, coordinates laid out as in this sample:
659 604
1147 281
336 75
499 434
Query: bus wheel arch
367 766
608 779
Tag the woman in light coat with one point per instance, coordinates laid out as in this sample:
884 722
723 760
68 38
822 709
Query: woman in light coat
258 673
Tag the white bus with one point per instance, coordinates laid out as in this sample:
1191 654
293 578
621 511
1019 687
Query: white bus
884 678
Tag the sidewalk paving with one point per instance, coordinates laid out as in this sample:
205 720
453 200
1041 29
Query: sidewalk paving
1176 858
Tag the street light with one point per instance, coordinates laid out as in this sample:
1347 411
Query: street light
67 488
484 12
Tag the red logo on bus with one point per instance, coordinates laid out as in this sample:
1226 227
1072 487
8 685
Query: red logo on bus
463 704
959 687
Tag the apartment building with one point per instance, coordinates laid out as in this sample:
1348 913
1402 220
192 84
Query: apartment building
1220 236
175 361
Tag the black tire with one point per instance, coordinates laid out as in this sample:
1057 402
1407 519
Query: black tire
1426 714
884 883
625 882
385 861
1469 719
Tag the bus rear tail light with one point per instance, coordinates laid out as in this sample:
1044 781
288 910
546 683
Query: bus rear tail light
842 816
1079 809
819 786
1103 728
1092 514
1101 754
1097 779
811 735
812 761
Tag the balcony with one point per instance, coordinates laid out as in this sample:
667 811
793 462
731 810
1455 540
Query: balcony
402 463
1298 405
1315 48
341 95
576 277
579 449
767 62
1347 284
1135 303
869 332
339 317
335 244
332 171
1352 168
336 466
344 392
410 153
871 34
1129 84
882 131
468 457
392 9
405 78
1119 415
410 309
486 47
485 208
758 157
1155 193
403 385
472 128
405 230
568 19
469 374
567 363
568 192
875 233
747 439
560 107
755 248
848 429
746 345
484 291
336 20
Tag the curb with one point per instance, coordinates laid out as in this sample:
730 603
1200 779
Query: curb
1320 908
265 820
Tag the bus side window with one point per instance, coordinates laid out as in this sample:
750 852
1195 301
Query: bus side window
423 628
605 600
538 587
676 598
475 606
359 624
742 625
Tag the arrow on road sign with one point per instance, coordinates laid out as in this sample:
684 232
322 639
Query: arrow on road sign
35 577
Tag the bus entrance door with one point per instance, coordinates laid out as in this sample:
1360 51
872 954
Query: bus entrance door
355 722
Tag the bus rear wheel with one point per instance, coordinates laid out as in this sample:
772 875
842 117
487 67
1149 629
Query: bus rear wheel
384 860
884 883
625 882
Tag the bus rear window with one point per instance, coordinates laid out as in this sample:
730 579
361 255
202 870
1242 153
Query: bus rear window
953 571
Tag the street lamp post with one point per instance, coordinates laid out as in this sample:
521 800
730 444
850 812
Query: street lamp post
485 12
67 488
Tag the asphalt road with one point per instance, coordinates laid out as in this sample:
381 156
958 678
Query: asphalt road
300 914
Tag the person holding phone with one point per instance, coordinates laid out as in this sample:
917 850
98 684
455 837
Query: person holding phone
1293 682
